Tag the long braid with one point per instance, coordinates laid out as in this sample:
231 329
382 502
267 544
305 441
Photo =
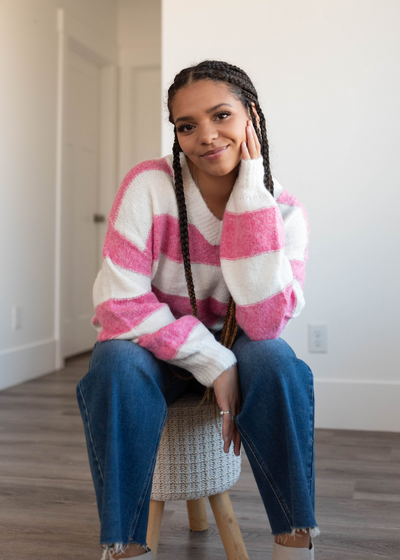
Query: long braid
183 225
262 137
242 87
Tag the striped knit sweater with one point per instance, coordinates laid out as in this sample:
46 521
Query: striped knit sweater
257 253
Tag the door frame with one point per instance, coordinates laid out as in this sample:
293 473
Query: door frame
74 35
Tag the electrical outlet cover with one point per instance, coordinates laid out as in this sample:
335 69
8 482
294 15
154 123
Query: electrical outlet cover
318 338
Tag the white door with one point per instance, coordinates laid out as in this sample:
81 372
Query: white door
79 254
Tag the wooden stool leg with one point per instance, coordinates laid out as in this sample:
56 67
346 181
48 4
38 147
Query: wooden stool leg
228 527
154 525
197 514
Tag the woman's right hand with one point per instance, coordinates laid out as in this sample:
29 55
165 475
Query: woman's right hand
251 149
227 393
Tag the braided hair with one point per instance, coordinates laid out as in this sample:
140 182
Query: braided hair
243 89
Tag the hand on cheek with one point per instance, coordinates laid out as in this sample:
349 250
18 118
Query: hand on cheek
251 149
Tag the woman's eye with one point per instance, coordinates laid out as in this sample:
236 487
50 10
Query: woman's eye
189 127
223 115
185 128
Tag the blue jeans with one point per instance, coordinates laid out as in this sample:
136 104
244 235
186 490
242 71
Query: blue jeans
123 401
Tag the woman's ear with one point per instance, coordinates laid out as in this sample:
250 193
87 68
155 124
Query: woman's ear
256 114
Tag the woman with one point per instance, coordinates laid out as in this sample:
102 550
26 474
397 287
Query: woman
187 235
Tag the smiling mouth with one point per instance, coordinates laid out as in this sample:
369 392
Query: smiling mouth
214 153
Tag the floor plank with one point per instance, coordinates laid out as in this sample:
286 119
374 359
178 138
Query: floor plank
48 506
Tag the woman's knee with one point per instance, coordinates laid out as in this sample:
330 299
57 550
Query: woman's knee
121 365
268 363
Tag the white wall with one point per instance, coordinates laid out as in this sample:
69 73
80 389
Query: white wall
28 106
139 32
328 76
139 43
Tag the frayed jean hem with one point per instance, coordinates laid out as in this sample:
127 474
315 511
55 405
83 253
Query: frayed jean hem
118 548
296 532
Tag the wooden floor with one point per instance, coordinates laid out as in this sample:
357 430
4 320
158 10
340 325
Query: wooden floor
48 508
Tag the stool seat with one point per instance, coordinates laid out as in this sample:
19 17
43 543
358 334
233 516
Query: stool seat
191 462
190 465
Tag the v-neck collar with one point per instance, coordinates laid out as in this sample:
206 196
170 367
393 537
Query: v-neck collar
198 212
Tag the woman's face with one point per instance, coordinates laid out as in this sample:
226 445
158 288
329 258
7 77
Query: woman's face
211 125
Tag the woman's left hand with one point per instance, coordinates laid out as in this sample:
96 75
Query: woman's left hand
227 393
251 149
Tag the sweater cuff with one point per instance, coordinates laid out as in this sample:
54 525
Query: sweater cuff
210 362
251 175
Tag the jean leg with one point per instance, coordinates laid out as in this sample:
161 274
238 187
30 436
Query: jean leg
123 403
276 425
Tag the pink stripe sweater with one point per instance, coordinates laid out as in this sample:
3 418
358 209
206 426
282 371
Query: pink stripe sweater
257 253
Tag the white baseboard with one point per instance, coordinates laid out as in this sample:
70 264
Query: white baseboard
26 362
357 405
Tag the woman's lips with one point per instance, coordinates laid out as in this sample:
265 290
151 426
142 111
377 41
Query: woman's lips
215 154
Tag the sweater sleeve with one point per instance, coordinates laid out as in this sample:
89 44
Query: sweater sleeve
263 253
125 305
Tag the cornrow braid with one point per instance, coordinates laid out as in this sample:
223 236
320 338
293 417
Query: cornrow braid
242 87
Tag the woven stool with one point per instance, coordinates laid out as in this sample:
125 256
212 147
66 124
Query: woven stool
191 464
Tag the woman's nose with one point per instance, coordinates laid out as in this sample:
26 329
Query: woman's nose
207 133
